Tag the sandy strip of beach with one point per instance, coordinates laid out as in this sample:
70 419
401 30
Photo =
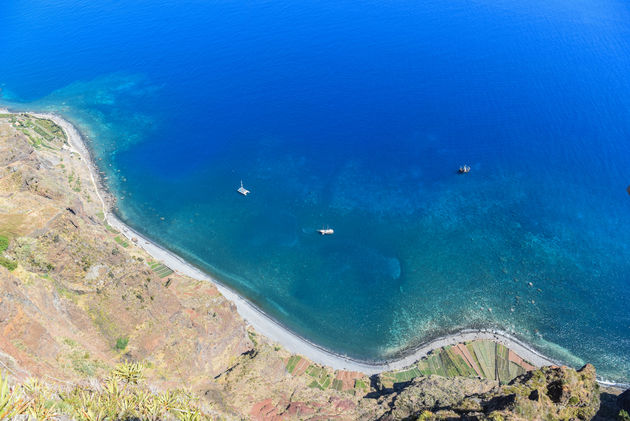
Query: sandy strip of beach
260 321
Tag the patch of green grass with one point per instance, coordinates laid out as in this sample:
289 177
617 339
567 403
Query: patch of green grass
7 263
111 229
292 363
160 269
314 371
165 273
120 241
407 375
104 323
252 337
359 384
4 243
35 141
456 365
41 132
502 363
82 364
70 342
326 382
121 343
50 128
65 292
323 382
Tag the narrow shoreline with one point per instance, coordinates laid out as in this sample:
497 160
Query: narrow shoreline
263 323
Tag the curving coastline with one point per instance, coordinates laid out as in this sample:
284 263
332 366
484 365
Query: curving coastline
259 320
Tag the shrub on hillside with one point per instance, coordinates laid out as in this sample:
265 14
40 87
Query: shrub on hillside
4 243
7 263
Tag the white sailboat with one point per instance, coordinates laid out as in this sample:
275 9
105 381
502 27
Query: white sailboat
326 231
242 190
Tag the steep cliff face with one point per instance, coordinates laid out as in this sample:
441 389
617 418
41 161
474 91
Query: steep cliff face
79 292
77 298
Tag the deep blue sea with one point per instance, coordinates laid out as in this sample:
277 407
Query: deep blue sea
356 115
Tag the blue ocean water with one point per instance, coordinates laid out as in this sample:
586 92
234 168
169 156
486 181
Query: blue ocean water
356 115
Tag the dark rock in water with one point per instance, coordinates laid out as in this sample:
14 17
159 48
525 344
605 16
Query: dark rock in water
624 401
628 189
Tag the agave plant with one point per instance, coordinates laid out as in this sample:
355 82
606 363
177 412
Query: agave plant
167 400
151 409
124 408
92 415
11 401
130 373
33 386
112 389
188 415
41 406
41 411
186 396
119 397
86 405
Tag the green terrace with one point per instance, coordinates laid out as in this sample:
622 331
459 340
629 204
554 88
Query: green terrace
39 131
484 359
121 241
160 269
322 378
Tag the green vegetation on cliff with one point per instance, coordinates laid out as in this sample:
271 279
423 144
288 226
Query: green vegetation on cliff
122 395
7 263
549 393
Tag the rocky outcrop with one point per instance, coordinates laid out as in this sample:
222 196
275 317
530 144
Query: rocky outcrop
550 393
435 394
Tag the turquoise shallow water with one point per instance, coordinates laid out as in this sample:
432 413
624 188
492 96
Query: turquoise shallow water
357 115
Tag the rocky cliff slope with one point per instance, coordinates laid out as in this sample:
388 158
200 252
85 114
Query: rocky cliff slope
77 299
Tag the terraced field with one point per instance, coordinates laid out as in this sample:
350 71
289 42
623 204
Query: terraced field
483 359
160 269
40 132
323 378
